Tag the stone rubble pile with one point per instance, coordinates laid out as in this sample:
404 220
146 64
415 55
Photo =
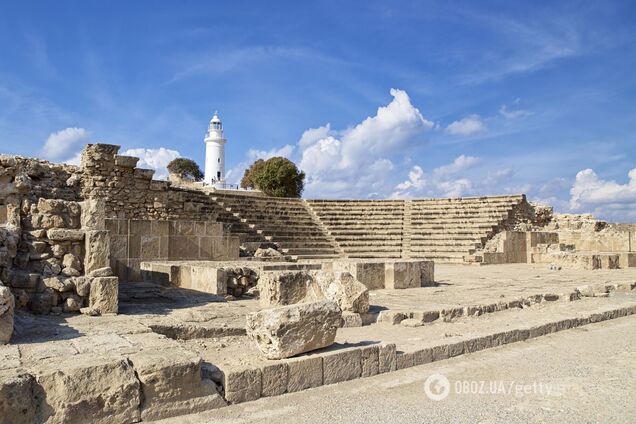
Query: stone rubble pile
240 280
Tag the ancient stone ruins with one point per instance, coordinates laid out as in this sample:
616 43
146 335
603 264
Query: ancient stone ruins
127 299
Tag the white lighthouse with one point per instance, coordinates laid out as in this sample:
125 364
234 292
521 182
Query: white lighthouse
215 153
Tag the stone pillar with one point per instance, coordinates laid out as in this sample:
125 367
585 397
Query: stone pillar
97 250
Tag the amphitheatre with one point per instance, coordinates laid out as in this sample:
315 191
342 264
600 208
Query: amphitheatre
127 299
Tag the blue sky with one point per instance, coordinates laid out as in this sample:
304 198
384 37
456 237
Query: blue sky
371 98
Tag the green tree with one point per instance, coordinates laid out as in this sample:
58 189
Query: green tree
186 169
249 177
278 177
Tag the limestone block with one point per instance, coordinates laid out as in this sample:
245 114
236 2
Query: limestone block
97 250
369 361
7 307
242 385
17 400
290 330
275 378
171 384
126 161
427 273
64 234
304 373
87 388
342 365
341 287
286 288
207 279
101 272
351 319
104 294
93 214
402 275
369 273
386 358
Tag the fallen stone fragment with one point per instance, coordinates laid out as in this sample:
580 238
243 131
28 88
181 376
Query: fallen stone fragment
343 288
290 330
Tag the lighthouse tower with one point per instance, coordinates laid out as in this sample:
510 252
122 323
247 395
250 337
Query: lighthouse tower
215 153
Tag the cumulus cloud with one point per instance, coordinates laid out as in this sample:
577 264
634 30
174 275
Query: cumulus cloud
157 159
466 126
356 160
610 199
460 163
60 145
452 180
235 174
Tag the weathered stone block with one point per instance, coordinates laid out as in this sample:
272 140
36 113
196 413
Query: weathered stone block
341 287
342 366
171 384
286 288
104 294
17 400
94 214
126 161
289 330
275 379
386 358
369 273
402 275
370 361
7 307
75 390
63 234
97 250
304 373
242 385
427 273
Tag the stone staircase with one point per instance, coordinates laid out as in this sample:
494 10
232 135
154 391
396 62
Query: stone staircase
443 230
448 230
285 221
363 228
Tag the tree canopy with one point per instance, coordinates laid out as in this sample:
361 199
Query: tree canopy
186 169
278 177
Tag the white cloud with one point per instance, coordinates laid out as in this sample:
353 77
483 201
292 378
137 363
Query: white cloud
60 145
313 135
466 126
157 159
235 174
461 163
356 160
589 193
513 114
452 180
285 151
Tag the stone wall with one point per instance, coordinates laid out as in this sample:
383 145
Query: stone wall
134 241
131 193
588 234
